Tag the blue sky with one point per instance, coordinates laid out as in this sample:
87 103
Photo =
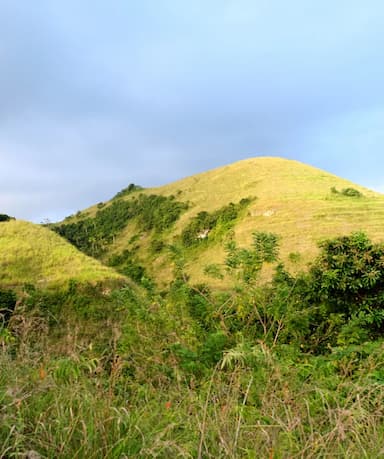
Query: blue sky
95 95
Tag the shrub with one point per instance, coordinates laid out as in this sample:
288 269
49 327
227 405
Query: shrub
5 218
349 192
217 222
346 283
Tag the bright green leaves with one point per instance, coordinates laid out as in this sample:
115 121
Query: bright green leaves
248 262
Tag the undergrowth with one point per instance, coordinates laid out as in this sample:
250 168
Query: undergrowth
258 371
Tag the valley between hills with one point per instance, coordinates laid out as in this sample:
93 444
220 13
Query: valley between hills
235 313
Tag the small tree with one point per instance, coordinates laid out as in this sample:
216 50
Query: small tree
349 274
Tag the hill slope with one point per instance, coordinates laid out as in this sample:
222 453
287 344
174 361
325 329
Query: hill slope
33 254
300 203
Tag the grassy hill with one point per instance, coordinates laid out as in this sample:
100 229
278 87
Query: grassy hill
290 368
33 254
300 203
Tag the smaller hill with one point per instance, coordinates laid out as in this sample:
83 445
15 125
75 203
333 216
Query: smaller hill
33 254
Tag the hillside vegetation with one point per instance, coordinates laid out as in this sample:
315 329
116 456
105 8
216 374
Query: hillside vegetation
292 368
204 355
299 203
32 254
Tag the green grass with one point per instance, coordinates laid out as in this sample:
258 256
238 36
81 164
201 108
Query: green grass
33 254
72 407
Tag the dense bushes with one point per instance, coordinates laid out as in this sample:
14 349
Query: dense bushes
196 372
152 212
204 224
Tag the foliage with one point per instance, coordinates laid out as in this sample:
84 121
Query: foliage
131 188
218 222
349 274
248 262
128 264
7 305
5 218
271 369
93 234
349 192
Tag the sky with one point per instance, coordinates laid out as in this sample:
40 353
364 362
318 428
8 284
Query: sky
97 94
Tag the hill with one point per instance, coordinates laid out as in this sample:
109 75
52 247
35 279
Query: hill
299 203
191 371
33 254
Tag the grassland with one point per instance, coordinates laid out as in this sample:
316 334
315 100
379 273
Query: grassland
293 200
124 383
264 370
33 254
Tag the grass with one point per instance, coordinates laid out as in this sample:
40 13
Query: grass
73 408
128 373
33 254
293 200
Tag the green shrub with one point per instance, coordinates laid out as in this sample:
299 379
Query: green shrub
349 192
205 224
131 188
5 218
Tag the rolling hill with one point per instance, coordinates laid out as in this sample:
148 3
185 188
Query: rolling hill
300 203
33 254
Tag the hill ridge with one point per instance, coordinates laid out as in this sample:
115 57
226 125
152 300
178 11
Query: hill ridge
301 203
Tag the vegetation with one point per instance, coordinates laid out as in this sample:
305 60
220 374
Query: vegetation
293 201
278 369
349 192
92 235
221 362
131 188
33 254
212 225
5 218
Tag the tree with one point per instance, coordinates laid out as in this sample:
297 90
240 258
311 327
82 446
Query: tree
349 274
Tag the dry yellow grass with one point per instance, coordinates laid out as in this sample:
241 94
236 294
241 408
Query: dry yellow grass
33 254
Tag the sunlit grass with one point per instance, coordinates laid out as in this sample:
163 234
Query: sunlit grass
292 199
33 254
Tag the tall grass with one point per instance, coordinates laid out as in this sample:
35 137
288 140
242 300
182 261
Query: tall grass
256 402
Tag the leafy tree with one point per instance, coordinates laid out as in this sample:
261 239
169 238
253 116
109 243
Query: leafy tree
347 284
349 274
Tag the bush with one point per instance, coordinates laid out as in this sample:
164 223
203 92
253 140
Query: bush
217 222
349 192
5 218
346 283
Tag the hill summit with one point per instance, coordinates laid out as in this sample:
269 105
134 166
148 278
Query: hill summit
199 214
